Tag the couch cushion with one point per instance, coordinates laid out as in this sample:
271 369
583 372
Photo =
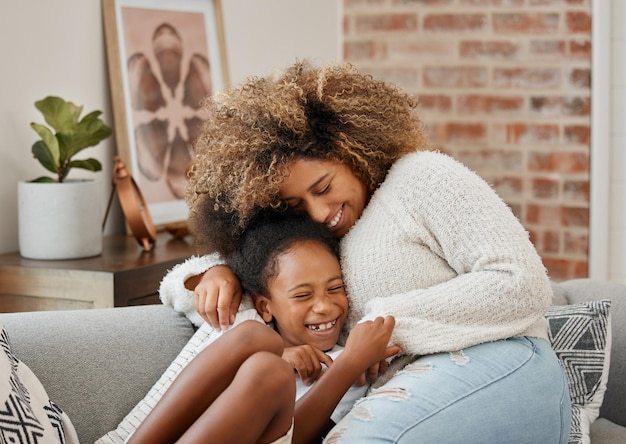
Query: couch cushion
604 431
559 296
581 337
97 364
204 336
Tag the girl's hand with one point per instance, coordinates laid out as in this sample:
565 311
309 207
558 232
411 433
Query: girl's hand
217 295
307 361
367 346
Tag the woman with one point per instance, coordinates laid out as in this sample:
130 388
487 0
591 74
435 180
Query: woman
423 239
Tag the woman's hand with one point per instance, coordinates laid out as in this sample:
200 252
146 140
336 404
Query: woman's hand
367 346
373 372
217 295
307 361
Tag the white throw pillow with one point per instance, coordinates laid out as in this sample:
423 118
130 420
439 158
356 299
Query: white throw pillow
27 413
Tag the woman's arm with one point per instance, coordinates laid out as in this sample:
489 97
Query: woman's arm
204 289
456 267
217 295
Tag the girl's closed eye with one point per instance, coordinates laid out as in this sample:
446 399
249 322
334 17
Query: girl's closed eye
337 288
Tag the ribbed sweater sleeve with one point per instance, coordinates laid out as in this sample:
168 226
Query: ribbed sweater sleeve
441 252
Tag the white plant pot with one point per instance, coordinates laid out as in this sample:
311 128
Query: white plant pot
59 220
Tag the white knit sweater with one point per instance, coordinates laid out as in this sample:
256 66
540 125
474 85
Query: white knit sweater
441 252
437 249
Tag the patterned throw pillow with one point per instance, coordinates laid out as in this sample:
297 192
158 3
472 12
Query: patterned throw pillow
26 412
580 335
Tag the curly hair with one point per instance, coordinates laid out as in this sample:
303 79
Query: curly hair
267 236
254 132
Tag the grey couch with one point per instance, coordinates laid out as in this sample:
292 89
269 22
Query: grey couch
97 364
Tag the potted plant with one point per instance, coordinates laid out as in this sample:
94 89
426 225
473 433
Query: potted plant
61 218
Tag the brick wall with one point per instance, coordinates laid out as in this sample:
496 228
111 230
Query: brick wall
504 87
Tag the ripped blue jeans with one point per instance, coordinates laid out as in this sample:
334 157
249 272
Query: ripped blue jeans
509 391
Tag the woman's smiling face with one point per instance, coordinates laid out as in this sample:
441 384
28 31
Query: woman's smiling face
327 191
307 299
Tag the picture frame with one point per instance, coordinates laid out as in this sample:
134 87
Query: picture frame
164 57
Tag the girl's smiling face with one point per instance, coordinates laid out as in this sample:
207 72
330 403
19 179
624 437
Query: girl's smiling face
327 191
307 300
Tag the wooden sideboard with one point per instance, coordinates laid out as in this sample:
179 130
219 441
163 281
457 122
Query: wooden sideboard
122 275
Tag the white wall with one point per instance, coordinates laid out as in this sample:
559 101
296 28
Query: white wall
57 48
268 34
608 157
617 173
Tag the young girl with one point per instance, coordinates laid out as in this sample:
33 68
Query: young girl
238 389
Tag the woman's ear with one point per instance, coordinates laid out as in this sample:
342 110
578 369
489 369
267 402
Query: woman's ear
262 305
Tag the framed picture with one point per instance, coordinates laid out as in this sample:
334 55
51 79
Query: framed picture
164 58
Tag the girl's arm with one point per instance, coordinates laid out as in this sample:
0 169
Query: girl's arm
306 361
367 344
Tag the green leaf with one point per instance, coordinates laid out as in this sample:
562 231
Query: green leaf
90 164
88 133
48 138
42 153
44 179
59 114
92 115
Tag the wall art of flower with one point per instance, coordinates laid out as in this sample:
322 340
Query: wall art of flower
168 75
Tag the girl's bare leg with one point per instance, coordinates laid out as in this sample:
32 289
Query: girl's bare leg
205 379
257 407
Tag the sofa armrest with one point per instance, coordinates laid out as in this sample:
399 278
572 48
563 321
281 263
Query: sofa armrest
604 431
580 290
97 364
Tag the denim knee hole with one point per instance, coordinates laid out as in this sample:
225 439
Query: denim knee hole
391 393
335 437
416 369
459 357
